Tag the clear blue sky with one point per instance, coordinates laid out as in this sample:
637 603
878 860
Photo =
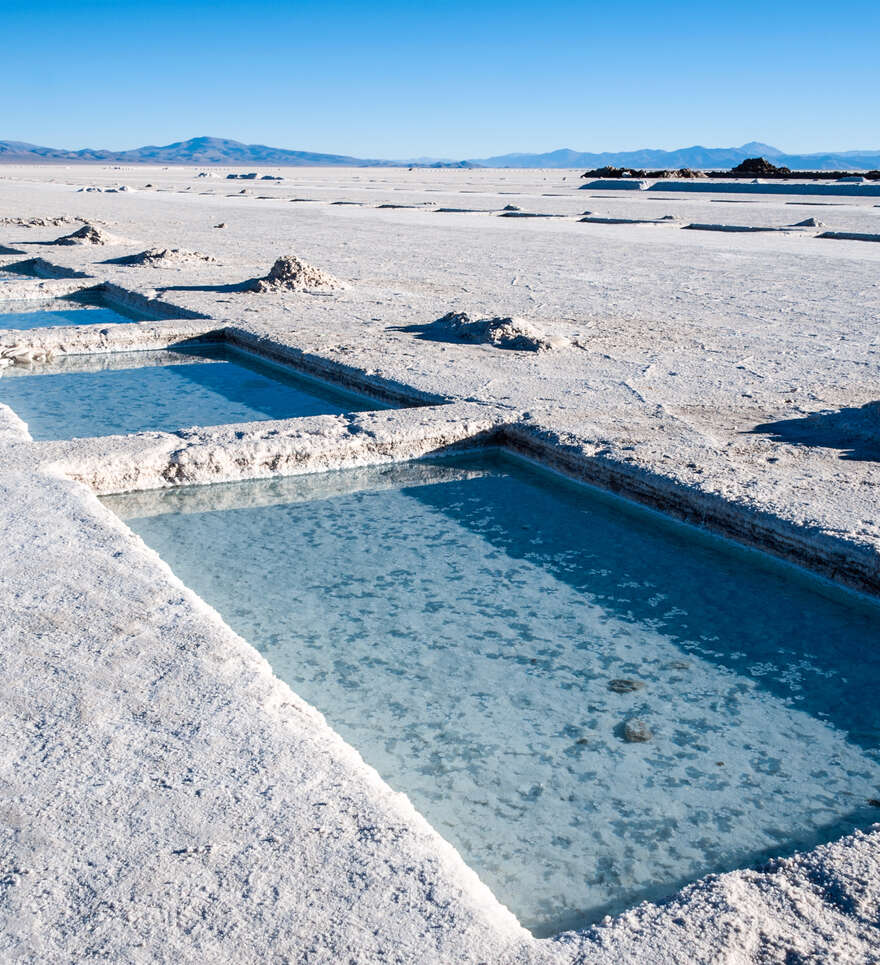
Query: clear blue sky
403 79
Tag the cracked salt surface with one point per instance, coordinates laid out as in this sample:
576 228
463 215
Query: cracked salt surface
474 631
120 393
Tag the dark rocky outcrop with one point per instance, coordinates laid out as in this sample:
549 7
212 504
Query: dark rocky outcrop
753 167
759 167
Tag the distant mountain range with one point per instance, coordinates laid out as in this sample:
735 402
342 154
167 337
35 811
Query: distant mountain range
202 150
218 150
197 150
697 157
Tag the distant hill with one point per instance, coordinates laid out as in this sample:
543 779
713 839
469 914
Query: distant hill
200 150
218 150
197 150
713 158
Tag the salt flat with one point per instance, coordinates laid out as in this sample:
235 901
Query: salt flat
162 786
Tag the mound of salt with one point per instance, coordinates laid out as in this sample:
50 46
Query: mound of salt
40 222
506 332
809 223
24 355
157 257
289 273
88 234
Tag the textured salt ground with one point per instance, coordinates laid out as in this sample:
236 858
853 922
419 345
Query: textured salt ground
682 346
161 257
420 188
38 222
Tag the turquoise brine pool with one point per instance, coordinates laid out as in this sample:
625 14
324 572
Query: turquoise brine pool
487 635
120 393
82 308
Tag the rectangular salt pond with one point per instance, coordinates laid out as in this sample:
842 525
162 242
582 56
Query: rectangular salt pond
80 308
119 393
482 632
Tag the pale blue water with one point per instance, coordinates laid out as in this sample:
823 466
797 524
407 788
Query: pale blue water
461 624
81 309
120 393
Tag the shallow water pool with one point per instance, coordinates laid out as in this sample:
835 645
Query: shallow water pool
483 633
82 308
119 393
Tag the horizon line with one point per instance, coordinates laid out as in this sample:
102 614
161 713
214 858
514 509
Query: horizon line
446 158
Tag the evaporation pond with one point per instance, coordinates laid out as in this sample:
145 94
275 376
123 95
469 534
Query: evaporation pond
118 393
81 308
483 633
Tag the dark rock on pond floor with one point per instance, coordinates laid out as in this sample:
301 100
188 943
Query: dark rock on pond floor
624 685
636 732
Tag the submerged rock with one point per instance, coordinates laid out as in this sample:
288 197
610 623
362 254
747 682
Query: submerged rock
636 732
625 685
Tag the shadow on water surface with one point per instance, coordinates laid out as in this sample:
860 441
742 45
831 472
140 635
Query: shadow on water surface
735 607
550 927
854 430
479 629
202 384
258 383
797 636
